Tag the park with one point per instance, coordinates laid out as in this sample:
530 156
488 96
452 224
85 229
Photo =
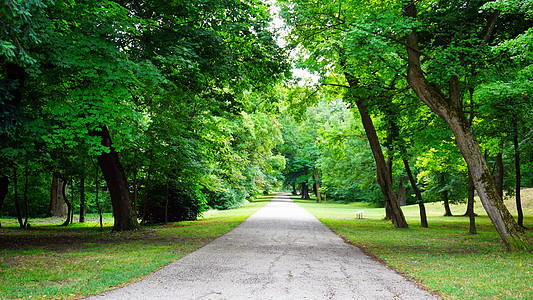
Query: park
248 149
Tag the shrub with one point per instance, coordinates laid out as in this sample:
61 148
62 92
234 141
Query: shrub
184 204
232 198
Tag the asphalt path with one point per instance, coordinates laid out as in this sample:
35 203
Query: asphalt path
280 252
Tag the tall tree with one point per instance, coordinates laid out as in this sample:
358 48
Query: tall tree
319 28
451 110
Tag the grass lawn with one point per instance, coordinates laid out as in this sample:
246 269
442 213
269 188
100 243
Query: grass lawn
444 258
52 262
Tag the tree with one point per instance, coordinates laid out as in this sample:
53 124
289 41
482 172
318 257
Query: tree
450 109
20 20
106 76
319 28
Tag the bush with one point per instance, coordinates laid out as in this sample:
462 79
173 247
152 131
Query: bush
232 198
351 193
184 204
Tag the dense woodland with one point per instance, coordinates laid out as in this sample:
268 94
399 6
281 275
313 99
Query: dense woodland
159 110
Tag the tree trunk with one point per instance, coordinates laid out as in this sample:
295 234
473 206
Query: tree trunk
418 195
53 195
4 190
450 110
17 203
96 199
25 196
470 206
83 204
388 210
498 177
294 192
125 217
166 203
135 191
383 172
317 183
447 210
305 191
518 201
58 208
402 192
69 205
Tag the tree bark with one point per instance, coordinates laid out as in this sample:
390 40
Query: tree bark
96 199
72 202
518 174
15 76
317 183
25 196
383 172
447 210
445 200
124 216
388 209
305 191
470 207
58 207
384 177
4 190
166 203
69 205
146 188
498 177
402 191
512 235
418 195
135 191
83 204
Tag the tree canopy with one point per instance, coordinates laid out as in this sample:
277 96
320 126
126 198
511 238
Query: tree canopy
181 106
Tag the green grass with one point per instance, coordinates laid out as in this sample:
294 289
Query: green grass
444 258
52 262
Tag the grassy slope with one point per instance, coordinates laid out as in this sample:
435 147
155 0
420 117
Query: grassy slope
443 258
52 262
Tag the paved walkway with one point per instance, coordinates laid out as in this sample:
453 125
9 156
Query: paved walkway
280 252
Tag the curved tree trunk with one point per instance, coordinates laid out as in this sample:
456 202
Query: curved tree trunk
4 190
69 205
96 199
388 209
57 208
305 191
383 172
470 206
498 177
418 195
317 184
125 217
450 110
447 209
518 200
